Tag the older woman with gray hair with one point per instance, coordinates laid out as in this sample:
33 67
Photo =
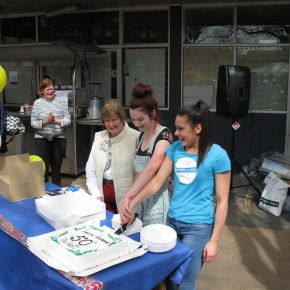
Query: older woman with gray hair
109 169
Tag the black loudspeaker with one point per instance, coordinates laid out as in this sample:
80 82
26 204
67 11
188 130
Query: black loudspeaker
233 91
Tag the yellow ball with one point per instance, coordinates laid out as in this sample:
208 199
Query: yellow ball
3 78
34 158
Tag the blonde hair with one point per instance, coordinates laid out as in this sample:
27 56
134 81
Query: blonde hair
113 108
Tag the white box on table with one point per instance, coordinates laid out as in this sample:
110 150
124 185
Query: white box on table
69 209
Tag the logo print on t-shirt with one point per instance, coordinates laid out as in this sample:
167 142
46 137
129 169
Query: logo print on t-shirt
185 169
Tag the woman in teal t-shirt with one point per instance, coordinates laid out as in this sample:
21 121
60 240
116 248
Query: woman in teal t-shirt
201 169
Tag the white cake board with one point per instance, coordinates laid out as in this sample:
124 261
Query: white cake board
34 245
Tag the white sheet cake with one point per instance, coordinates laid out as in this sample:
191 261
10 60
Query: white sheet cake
85 245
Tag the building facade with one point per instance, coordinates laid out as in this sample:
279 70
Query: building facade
177 49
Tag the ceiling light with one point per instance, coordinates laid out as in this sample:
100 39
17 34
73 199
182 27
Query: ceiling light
61 11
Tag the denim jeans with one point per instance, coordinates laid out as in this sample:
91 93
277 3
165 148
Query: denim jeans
195 236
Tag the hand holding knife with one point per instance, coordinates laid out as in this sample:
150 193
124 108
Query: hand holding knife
124 226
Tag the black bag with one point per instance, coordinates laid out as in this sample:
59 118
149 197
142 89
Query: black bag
3 145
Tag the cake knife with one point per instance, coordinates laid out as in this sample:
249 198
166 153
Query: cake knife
124 226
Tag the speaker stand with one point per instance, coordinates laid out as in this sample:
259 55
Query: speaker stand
236 164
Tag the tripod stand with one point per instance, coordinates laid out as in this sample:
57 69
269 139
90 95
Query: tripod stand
235 164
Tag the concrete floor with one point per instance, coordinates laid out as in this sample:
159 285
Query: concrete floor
254 250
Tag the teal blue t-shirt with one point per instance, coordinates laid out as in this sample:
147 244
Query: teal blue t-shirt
193 190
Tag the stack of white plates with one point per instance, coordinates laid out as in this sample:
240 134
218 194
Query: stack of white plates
158 238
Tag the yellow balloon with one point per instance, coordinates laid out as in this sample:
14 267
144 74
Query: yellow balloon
34 158
3 78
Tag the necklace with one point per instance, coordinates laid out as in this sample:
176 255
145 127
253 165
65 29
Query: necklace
109 157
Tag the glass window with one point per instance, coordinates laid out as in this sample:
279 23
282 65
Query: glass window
18 30
263 24
23 87
269 76
104 74
98 27
208 25
200 72
60 72
149 66
145 27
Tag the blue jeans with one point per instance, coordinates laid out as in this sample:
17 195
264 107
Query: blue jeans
195 236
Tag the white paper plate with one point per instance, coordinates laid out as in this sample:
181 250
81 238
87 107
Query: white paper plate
158 238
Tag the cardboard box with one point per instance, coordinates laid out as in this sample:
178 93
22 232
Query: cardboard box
21 179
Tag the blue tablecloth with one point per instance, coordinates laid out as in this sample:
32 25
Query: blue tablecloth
20 269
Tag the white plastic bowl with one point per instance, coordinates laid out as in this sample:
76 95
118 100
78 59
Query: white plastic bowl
158 238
